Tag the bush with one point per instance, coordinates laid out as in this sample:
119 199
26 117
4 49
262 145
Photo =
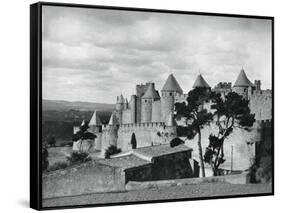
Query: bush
58 165
51 140
111 151
176 142
77 157
261 171
45 162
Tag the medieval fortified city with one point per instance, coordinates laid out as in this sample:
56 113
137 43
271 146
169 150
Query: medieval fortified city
170 132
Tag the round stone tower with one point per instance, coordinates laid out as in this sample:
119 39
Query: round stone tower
170 89
242 84
147 100
119 107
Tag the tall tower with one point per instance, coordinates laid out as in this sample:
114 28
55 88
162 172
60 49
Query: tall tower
119 107
147 100
170 89
242 84
95 126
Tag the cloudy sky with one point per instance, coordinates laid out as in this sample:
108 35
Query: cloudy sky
94 55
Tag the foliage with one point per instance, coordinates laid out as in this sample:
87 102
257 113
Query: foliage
77 157
231 112
111 150
58 165
45 162
176 142
83 135
51 140
195 116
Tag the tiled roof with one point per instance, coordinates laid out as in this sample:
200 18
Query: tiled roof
160 150
124 162
242 80
200 82
172 84
151 92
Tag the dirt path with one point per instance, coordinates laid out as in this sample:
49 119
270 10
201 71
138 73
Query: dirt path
173 192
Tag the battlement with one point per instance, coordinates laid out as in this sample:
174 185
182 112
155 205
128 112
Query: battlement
223 85
141 125
254 94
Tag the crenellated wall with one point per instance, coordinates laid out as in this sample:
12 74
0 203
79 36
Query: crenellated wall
147 134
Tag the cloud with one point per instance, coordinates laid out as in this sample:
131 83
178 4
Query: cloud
94 54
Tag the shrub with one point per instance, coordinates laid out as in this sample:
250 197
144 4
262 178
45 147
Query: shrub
176 142
111 150
51 140
45 162
78 157
261 171
58 165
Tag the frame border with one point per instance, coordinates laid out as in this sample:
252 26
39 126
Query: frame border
36 102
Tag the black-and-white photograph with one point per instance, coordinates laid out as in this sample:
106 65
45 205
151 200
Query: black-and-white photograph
148 106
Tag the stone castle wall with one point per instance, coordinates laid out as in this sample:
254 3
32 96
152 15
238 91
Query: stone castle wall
167 105
239 147
156 111
147 134
146 110
261 104
126 116
108 138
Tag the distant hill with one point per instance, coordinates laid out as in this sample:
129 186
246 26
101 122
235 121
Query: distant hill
58 105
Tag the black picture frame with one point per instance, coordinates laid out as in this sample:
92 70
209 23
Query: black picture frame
36 100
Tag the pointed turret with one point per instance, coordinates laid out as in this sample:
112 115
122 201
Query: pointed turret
151 92
112 120
200 82
172 85
242 80
95 120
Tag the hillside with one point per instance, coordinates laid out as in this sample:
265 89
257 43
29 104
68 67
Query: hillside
58 105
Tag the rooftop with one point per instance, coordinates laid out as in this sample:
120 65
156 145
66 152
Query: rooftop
151 92
160 150
95 120
242 80
172 84
124 162
200 82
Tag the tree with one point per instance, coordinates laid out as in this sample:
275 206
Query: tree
51 140
83 135
195 117
229 113
111 150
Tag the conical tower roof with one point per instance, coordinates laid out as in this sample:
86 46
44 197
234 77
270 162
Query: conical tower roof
95 120
172 84
151 92
112 120
200 82
242 80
